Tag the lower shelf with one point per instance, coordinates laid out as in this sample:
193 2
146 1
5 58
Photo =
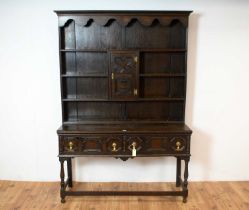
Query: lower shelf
125 193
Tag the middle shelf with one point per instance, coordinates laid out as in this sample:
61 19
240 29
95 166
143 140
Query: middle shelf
147 88
111 100
96 64
163 75
141 75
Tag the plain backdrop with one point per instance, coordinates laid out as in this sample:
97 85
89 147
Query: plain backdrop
217 94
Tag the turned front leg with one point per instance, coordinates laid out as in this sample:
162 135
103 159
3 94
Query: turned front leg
69 172
178 172
62 176
185 182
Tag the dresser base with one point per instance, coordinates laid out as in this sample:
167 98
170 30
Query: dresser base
69 184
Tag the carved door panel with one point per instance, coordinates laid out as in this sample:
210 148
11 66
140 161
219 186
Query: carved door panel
124 75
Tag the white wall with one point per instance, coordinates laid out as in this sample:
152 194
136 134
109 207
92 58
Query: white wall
217 97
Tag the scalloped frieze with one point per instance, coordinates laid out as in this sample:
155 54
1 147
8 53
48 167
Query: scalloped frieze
121 20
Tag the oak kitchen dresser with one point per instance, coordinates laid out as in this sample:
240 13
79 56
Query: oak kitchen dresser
123 90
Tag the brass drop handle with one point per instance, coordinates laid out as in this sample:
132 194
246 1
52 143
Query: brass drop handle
112 76
134 144
70 144
114 147
178 144
135 59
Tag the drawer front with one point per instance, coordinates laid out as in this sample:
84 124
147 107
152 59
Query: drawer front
118 145
87 145
158 144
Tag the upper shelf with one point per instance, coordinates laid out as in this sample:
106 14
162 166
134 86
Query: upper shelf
163 75
85 75
83 50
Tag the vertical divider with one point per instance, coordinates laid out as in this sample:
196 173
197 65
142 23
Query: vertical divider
170 69
137 74
76 70
123 39
61 36
124 104
109 74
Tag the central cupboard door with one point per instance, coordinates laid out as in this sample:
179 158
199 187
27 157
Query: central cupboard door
124 74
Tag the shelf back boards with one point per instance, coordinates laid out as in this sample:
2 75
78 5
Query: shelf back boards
123 66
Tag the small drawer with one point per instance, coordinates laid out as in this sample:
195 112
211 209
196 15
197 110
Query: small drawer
81 144
157 144
91 145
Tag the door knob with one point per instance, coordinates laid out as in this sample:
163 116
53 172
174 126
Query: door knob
135 92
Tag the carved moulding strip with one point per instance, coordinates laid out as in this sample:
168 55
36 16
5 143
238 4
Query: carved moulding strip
121 20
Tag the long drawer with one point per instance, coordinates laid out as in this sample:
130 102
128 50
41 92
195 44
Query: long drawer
118 145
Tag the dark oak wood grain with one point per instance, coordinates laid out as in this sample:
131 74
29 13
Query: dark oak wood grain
123 89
